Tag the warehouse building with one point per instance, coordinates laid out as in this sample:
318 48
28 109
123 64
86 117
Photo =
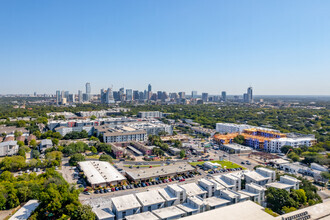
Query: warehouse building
100 173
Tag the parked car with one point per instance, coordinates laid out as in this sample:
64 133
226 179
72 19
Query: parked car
87 193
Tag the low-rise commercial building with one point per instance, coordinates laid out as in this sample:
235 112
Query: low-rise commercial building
100 173
146 150
156 172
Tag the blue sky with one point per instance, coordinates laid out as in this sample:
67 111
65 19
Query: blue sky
278 47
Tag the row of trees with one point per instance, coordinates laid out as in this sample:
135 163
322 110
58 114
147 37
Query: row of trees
58 200
310 154
306 121
16 163
282 201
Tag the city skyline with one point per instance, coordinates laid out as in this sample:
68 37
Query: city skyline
280 48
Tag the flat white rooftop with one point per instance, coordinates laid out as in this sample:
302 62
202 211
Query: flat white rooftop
175 188
256 176
168 212
215 201
247 210
187 207
279 185
247 193
98 172
318 211
25 211
159 171
192 189
142 216
217 184
149 198
166 194
103 213
196 200
125 202
207 182
230 193
222 182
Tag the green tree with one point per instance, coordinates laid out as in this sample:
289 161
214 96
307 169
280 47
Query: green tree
94 139
83 212
182 153
286 209
239 139
93 117
94 150
76 158
293 156
102 147
33 143
105 157
21 123
35 154
326 175
55 141
278 198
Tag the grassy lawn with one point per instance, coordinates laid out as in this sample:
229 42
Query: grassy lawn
93 156
224 163
157 165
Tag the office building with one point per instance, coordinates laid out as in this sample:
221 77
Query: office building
224 96
249 95
205 97
182 95
129 94
136 95
58 97
88 92
80 96
149 88
194 94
